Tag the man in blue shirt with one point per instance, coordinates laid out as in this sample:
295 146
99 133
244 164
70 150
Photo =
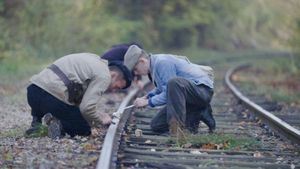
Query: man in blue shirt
183 87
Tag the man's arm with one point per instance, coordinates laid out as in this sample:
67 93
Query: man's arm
165 72
92 95
153 92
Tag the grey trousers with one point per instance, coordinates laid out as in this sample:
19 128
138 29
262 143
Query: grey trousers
185 102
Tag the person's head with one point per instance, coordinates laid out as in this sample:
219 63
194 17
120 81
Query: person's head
120 76
137 60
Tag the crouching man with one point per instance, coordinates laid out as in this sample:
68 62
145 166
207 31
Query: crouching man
184 87
67 92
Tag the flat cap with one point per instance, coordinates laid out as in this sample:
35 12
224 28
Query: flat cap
132 56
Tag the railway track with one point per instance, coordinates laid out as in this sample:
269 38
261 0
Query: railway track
289 114
130 143
276 123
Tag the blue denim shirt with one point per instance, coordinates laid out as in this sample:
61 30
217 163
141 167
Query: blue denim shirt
164 67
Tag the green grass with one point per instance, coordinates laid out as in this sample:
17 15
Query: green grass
276 79
280 95
14 70
13 133
225 140
41 131
205 55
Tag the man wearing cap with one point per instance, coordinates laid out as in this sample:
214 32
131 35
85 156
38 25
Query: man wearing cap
184 89
117 53
66 93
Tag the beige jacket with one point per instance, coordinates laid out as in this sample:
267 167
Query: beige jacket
85 68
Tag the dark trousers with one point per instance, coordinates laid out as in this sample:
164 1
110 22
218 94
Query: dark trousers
185 102
41 103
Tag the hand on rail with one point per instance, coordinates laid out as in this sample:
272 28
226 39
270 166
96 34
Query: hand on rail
140 102
105 118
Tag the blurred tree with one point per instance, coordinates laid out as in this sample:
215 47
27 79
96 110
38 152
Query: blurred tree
171 23
8 7
294 39
54 28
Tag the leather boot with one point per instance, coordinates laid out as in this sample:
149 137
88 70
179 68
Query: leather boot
36 121
173 127
208 119
192 122
194 128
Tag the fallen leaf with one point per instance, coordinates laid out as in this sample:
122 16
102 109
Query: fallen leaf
88 147
293 166
187 145
209 146
148 141
138 133
257 154
195 152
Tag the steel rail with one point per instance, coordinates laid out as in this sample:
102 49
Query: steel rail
284 129
111 140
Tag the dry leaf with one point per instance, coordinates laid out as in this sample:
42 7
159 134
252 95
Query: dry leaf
209 146
88 147
195 152
257 154
148 141
187 145
293 166
138 133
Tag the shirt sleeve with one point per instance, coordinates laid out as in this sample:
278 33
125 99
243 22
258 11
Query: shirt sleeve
90 99
153 92
165 72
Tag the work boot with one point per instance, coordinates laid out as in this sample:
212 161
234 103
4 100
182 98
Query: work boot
208 119
192 122
36 122
54 126
194 127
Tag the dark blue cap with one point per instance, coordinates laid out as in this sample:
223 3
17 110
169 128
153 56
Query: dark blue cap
117 52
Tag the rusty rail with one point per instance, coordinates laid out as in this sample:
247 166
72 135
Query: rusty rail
283 129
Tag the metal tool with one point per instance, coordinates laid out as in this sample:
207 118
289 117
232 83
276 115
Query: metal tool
128 107
118 115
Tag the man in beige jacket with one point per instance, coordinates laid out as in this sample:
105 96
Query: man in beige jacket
50 93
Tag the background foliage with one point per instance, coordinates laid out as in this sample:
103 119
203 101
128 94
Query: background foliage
35 30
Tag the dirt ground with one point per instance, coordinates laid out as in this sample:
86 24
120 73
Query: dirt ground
16 151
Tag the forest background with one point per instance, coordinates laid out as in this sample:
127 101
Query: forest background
37 31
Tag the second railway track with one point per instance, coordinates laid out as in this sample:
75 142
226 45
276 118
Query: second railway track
149 150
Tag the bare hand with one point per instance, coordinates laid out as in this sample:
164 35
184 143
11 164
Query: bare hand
144 97
105 118
140 102
139 84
